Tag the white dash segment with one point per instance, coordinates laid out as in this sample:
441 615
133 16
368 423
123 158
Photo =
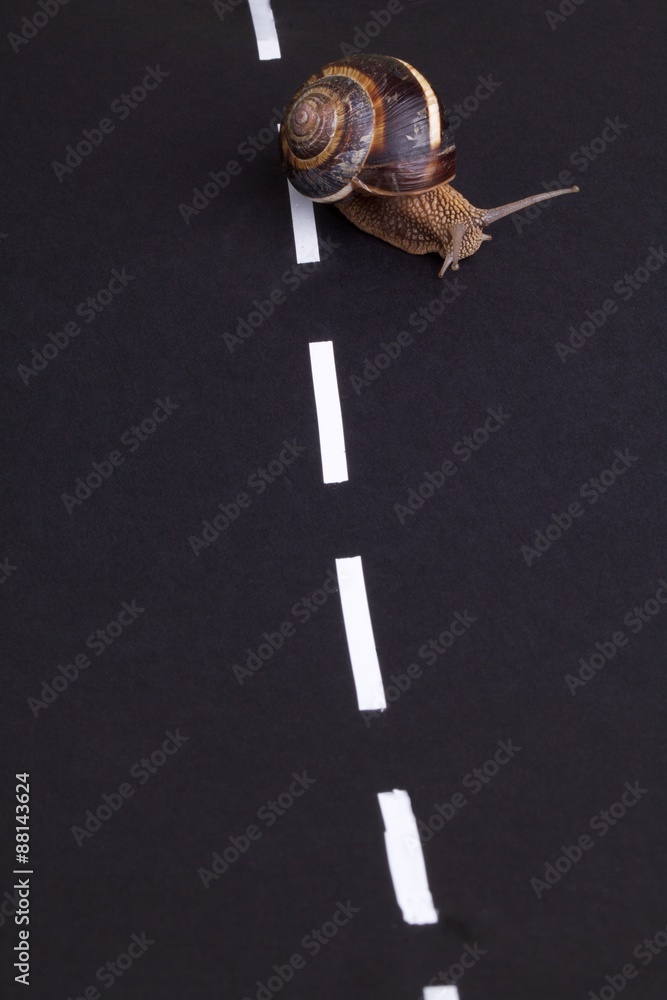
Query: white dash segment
359 631
329 416
406 859
441 993
265 29
304 226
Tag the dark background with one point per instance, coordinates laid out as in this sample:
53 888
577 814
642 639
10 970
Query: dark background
493 346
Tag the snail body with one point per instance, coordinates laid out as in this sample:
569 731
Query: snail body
369 134
424 223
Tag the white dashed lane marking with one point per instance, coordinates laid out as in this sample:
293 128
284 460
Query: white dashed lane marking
304 226
305 229
329 416
265 29
359 630
406 859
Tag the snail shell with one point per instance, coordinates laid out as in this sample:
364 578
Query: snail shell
366 123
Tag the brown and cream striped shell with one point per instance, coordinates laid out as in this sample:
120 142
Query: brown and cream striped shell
366 123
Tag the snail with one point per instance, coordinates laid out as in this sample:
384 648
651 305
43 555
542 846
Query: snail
369 134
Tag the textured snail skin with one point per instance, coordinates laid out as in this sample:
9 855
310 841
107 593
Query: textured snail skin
436 221
421 223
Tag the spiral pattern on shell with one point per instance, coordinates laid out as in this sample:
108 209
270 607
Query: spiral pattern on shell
366 123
